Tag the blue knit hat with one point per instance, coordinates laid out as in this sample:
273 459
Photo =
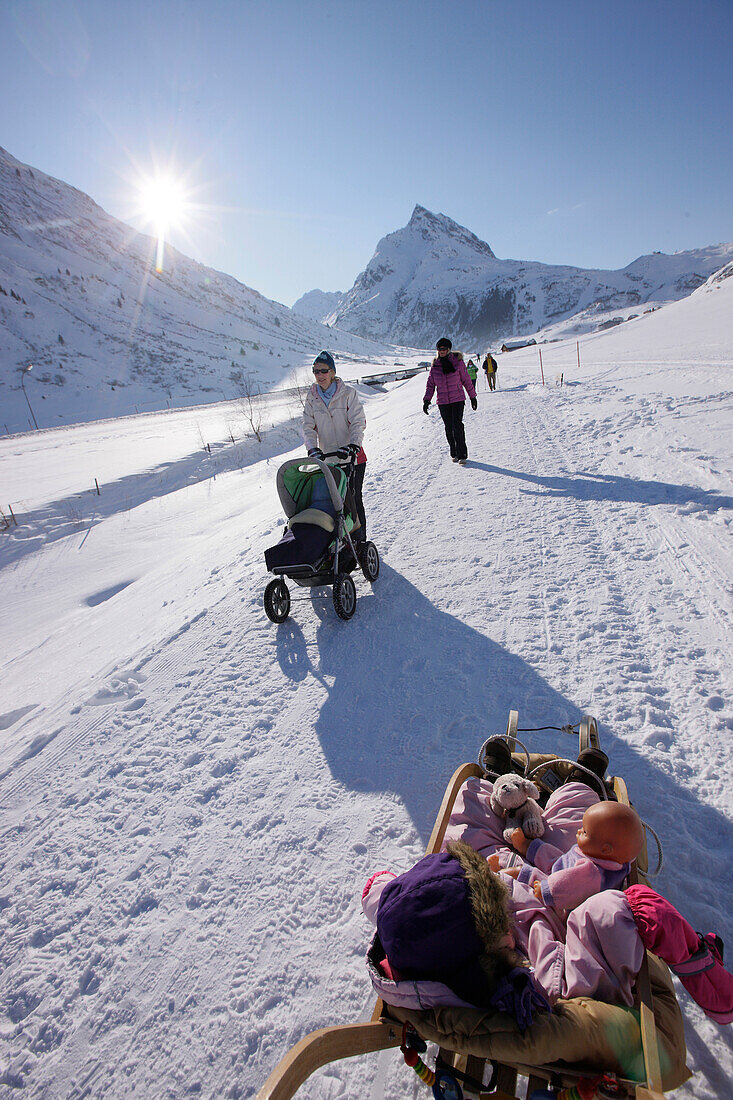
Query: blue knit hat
325 357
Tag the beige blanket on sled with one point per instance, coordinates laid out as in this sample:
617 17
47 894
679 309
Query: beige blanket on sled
579 1031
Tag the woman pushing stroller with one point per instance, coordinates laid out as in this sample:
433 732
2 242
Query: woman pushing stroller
448 375
333 420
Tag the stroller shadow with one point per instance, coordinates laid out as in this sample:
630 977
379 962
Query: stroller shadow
414 693
607 487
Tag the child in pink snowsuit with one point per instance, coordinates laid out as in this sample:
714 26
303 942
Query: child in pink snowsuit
598 951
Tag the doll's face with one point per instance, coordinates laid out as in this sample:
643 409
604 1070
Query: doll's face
610 830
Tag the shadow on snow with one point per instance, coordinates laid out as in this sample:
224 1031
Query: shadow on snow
608 487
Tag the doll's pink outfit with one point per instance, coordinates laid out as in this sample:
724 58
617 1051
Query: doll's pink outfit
567 878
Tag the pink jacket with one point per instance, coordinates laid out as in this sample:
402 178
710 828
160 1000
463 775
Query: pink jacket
450 387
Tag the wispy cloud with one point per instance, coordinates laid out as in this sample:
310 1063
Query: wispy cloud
562 210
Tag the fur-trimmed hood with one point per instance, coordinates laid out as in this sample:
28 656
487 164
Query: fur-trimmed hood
447 919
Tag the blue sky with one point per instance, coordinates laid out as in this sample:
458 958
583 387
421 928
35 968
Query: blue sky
571 131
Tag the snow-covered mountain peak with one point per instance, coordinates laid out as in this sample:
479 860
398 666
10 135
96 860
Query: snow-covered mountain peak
435 277
442 230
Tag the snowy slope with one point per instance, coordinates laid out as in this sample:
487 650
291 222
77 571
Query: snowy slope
191 797
433 277
80 299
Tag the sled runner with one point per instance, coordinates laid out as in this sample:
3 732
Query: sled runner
318 547
588 1047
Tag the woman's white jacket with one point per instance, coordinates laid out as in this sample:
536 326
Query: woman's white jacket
342 422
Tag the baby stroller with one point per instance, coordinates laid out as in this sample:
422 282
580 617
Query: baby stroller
584 1048
317 547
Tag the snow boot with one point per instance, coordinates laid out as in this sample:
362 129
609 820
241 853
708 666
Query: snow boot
596 761
496 758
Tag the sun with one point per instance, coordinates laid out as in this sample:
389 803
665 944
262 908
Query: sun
163 203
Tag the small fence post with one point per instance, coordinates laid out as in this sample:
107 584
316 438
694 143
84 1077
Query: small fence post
541 370
97 484
577 345
13 514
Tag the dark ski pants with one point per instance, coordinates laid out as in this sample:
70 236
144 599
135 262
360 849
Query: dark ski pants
491 376
355 485
454 431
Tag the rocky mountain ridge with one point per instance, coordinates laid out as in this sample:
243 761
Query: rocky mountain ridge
435 277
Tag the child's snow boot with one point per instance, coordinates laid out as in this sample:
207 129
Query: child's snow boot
595 761
496 758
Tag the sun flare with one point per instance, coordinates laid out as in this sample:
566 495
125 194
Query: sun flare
163 203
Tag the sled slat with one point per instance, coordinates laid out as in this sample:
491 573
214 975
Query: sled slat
651 1048
460 776
329 1044
506 1081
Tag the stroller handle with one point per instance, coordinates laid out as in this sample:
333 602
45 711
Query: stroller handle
345 459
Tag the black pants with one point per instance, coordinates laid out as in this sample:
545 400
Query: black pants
355 486
454 431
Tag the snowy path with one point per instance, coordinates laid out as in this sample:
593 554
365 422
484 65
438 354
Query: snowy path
193 801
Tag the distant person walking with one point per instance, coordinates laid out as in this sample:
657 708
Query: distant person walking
449 377
472 371
333 420
489 366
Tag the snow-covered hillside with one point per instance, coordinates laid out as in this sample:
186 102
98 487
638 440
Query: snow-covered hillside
81 301
434 277
192 798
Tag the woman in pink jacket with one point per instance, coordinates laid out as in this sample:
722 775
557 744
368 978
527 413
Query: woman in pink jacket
448 375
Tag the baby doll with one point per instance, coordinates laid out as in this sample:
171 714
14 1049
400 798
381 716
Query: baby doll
610 837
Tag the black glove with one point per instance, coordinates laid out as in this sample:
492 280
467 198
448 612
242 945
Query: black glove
474 404
426 407
315 452
353 449
343 453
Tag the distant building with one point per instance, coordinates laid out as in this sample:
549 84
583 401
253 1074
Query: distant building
514 345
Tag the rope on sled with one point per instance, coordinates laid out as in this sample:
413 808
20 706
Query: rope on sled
567 728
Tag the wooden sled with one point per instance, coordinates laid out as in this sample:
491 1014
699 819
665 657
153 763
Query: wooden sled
385 1029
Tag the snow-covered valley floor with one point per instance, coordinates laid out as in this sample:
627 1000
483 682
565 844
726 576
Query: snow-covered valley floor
191 797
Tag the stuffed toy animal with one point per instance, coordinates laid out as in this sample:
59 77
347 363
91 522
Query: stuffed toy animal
513 798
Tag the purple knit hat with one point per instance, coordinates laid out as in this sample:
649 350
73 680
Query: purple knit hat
425 920
446 920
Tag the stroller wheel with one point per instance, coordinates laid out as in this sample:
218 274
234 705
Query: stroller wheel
369 560
277 601
344 596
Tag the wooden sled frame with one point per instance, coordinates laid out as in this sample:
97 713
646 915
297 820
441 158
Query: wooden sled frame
331 1044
